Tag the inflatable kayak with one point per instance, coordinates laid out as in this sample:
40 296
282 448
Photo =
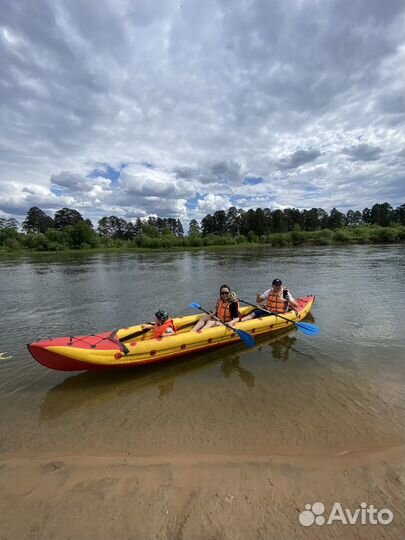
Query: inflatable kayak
135 346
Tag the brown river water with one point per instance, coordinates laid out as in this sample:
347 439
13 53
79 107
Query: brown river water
292 397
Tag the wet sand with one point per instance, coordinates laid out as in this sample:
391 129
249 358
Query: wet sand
248 496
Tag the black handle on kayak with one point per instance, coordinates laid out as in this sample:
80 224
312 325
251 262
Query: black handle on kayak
144 330
122 347
136 334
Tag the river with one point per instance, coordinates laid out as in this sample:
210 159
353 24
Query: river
341 388
292 395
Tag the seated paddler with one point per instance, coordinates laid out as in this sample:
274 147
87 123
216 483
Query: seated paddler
278 299
226 309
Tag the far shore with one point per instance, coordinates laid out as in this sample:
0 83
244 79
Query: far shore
281 241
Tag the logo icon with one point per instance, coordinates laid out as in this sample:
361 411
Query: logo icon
312 514
364 514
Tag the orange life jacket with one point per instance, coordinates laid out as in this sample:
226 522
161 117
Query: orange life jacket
159 330
223 310
276 303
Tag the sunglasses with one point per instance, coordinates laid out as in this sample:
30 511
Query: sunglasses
225 292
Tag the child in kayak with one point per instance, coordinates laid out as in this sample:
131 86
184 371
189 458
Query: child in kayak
227 310
163 325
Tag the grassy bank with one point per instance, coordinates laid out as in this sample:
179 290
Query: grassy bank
324 237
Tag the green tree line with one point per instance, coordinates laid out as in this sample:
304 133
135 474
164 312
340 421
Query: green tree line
69 230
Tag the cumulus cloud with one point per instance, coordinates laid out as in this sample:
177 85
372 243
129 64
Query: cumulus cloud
298 158
115 107
210 203
363 152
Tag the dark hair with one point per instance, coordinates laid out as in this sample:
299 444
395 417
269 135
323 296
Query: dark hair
223 286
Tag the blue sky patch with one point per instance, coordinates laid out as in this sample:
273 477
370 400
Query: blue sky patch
56 190
106 171
252 180
191 204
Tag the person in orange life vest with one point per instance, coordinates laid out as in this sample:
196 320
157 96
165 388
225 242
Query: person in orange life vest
163 325
277 300
227 309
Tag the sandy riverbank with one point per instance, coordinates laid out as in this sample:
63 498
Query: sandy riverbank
211 496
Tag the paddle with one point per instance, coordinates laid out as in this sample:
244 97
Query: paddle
308 328
144 330
136 334
244 336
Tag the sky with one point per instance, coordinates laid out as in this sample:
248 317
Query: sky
181 108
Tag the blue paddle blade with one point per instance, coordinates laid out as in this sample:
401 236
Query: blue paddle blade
195 305
247 339
308 328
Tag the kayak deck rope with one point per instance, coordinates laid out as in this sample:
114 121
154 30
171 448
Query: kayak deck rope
93 345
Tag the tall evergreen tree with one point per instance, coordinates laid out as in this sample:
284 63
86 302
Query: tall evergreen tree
280 223
194 228
37 221
399 214
233 221
208 225
8 223
311 219
179 229
366 216
66 217
353 217
336 219
382 214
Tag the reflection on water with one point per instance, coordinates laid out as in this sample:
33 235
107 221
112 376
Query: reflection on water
281 349
91 389
232 366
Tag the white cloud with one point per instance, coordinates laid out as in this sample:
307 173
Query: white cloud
205 93
210 203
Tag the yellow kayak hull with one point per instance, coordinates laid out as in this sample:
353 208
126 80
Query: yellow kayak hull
135 346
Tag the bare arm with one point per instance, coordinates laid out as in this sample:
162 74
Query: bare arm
261 297
291 300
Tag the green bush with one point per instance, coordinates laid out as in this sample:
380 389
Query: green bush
194 241
12 244
280 239
37 242
342 235
81 233
384 234
56 246
297 237
401 232
321 238
252 238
